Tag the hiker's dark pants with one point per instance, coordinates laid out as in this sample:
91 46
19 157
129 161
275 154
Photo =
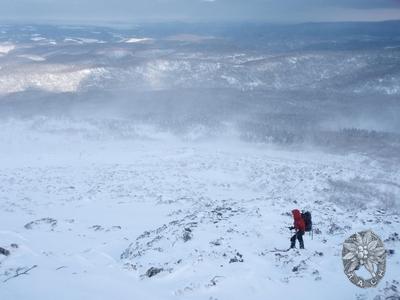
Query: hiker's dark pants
299 235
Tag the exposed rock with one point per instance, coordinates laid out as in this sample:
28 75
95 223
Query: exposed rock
216 242
394 237
33 224
390 291
214 281
334 228
153 271
390 251
4 251
300 267
317 276
317 231
187 235
237 258
97 228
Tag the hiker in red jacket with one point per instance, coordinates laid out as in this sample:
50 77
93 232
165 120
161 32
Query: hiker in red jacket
300 227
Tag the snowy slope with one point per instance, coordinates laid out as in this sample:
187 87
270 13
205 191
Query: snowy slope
94 222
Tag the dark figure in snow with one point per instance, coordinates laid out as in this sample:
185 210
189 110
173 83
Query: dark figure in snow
300 227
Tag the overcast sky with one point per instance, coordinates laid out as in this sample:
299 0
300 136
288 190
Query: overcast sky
199 10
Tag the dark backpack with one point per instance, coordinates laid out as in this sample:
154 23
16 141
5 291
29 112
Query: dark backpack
306 216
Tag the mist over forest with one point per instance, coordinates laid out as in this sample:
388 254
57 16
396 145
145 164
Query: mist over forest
329 85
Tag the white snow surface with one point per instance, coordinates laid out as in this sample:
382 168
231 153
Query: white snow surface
5 48
47 77
32 57
95 215
81 40
134 40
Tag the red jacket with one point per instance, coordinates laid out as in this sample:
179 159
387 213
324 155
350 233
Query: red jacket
298 220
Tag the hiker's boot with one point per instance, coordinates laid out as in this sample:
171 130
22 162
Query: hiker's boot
301 245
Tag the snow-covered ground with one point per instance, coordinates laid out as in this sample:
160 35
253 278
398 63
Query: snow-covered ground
5 48
93 217
52 78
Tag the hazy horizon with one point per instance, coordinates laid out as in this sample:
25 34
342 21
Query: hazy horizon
88 11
